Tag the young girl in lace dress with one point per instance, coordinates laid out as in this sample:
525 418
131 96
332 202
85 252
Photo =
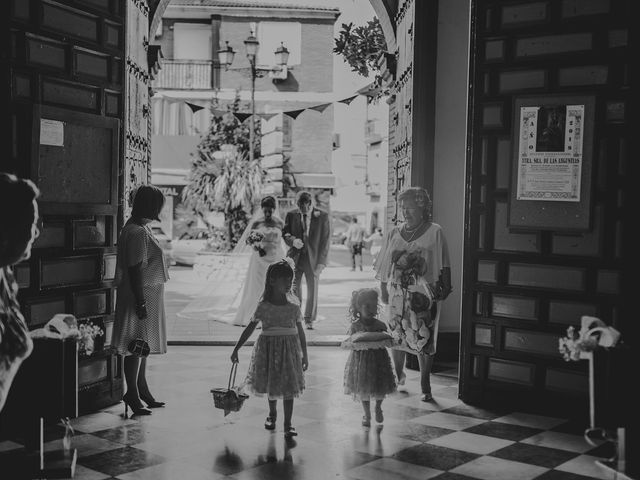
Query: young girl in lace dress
279 356
368 374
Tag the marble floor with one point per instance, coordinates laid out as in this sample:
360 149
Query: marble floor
190 439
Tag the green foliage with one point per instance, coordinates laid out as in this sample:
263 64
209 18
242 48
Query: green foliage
361 46
222 179
185 224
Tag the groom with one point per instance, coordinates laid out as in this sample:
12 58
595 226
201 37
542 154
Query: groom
307 233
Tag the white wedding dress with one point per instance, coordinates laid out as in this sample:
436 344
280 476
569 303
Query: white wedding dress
253 286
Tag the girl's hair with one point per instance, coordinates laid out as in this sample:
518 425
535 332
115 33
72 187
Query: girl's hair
420 197
148 201
357 297
281 269
268 201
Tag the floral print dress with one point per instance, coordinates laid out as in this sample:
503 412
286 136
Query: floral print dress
411 270
368 374
275 368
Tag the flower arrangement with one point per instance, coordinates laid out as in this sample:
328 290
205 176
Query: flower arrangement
411 323
572 346
86 340
593 333
255 240
408 266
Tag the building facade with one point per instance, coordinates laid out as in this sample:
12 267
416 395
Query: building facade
360 160
190 35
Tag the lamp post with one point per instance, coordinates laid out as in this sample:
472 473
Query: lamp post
252 45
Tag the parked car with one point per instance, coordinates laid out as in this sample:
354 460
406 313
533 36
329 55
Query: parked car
165 243
186 249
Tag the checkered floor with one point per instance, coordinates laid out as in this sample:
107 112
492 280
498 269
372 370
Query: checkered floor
191 440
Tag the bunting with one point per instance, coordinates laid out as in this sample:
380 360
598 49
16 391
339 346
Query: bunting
347 100
267 116
320 108
294 113
194 108
243 116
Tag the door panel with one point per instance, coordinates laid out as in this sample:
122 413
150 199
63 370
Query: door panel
63 60
524 286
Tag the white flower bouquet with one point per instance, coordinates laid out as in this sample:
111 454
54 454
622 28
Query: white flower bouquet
411 322
593 333
255 239
88 333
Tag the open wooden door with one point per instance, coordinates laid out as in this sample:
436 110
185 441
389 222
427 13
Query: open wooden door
548 222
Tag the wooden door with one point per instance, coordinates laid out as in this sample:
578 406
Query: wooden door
63 66
534 267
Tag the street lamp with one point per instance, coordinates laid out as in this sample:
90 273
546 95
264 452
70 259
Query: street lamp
252 45
225 56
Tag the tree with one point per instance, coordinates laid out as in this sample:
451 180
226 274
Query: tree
222 179
361 46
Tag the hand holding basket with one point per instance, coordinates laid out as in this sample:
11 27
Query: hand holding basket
229 399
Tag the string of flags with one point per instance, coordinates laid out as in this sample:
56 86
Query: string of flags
242 116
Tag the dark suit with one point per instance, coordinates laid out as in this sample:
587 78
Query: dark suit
314 252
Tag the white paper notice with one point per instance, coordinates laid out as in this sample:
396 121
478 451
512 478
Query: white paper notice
550 153
51 132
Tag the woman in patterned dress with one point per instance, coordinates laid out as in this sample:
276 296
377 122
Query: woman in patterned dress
18 231
414 269
140 277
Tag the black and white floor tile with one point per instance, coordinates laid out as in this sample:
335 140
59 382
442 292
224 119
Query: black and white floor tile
445 439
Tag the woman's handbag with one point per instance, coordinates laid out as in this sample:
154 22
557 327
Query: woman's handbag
139 347
229 399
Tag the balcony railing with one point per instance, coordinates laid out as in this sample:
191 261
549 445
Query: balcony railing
185 75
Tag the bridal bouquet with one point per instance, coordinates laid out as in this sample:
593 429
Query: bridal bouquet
411 320
255 240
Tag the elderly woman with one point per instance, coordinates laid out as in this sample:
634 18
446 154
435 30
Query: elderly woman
18 230
141 273
415 274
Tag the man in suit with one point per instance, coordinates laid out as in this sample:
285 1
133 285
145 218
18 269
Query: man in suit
307 233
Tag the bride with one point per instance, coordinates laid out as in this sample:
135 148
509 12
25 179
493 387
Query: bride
271 227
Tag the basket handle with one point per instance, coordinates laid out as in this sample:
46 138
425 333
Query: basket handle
232 375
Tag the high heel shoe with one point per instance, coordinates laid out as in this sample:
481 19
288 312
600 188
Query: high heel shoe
136 410
151 402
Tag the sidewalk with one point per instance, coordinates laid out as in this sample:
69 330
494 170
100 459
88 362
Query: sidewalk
221 289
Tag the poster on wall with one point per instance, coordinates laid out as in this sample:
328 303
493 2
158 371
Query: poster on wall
550 153
551 166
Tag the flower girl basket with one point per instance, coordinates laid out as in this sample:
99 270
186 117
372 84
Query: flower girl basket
229 399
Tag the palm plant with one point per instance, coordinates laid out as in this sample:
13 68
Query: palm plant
222 179
236 191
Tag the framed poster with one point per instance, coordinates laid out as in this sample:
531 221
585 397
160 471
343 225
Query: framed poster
551 163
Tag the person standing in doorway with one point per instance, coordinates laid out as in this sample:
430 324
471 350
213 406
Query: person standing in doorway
307 233
141 273
414 270
355 242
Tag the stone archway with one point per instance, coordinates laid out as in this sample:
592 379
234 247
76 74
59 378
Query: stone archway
385 10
